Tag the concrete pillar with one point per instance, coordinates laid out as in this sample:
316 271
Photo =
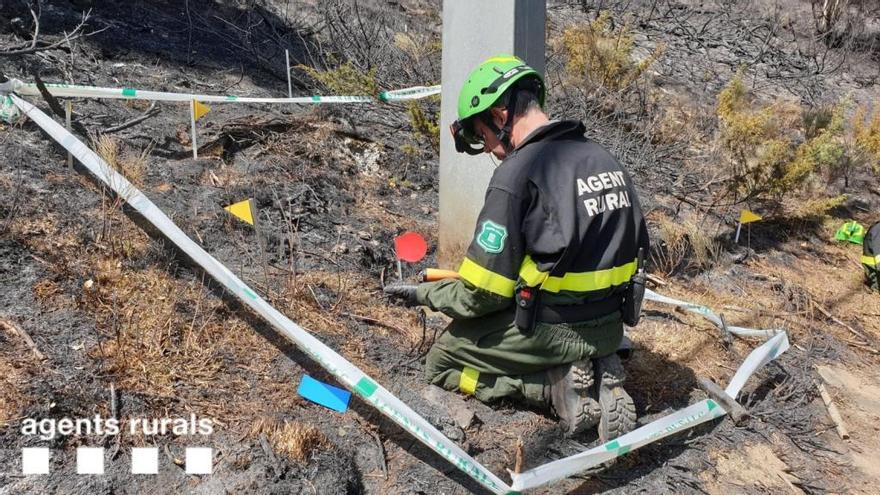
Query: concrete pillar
472 32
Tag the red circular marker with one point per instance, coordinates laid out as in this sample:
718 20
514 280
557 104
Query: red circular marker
410 246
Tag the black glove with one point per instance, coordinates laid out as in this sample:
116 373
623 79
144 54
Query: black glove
406 293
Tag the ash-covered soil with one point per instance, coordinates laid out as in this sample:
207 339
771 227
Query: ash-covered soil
112 308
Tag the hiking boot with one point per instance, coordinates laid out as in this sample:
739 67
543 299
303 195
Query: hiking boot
617 408
573 396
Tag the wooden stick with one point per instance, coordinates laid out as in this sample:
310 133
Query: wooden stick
151 111
733 408
835 320
374 321
520 454
656 280
435 274
794 489
833 413
862 347
12 327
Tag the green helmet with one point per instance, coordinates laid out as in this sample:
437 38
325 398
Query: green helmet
482 89
490 80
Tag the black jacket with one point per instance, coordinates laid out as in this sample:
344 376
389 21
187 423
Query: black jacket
561 214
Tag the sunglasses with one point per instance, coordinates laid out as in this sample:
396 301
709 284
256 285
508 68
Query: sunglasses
466 140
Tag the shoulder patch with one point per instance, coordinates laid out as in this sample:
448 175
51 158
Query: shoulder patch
491 237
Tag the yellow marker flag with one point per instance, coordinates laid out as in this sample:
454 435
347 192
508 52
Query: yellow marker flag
200 109
244 210
746 216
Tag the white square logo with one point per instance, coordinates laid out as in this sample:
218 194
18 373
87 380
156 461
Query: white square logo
199 460
90 460
144 460
35 460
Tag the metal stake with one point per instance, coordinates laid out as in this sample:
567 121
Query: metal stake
68 111
289 87
192 115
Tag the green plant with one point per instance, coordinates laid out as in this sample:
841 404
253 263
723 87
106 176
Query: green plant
424 124
600 55
815 209
866 134
778 149
345 79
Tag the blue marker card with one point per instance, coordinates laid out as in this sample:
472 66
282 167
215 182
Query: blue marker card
326 395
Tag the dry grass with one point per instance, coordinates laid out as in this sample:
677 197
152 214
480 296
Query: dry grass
43 234
131 164
378 211
12 396
683 246
158 332
294 440
45 290
706 250
687 344
678 120
754 465
836 285
670 249
16 371
671 354
322 302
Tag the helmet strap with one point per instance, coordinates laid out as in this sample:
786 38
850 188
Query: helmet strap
504 134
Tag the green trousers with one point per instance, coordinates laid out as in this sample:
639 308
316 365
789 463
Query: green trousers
499 360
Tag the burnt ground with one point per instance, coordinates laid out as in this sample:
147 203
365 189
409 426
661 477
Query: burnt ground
107 305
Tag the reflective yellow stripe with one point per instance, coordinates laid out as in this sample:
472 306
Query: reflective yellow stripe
530 274
577 282
468 381
871 260
486 279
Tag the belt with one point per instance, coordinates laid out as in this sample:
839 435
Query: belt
580 312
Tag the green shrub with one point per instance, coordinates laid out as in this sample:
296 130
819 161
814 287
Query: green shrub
424 124
780 149
866 134
345 80
601 56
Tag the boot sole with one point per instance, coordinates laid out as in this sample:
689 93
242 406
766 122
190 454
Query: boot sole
583 382
618 413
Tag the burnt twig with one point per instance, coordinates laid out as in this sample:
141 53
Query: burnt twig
13 328
151 112
78 32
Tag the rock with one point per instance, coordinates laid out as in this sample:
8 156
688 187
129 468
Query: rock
451 404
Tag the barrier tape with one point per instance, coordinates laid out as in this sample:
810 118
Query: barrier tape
347 373
373 393
689 417
68 90
8 111
711 316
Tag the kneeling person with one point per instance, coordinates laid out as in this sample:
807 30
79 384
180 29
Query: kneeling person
537 309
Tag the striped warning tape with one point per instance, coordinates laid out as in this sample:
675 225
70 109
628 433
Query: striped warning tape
346 372
68 90
373 393
711 316
678 421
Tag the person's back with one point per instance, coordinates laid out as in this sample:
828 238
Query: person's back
583 204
